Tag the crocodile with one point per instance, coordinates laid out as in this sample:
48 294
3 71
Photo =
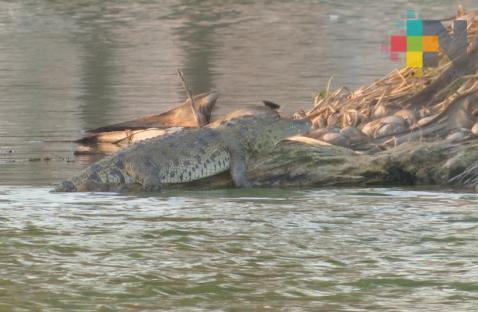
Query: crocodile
191 154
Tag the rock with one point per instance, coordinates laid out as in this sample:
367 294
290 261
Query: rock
390 128
351 132
425 120
370 127
317 133
354 135
461 117
329 135
408 115
393 119
385 126
334 130
459 135
474 129
336 139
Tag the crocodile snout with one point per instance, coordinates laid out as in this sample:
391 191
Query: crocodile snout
65 186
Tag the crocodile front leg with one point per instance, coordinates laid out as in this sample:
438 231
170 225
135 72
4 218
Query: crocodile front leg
238 167
146 173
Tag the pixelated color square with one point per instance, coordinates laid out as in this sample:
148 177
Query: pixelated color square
414 28
414 59
430 43
398 43
429 28
414 44
430 59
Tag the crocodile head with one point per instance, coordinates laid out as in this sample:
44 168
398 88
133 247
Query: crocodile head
281 128
261 128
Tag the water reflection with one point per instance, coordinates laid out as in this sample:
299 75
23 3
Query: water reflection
97 76
197 37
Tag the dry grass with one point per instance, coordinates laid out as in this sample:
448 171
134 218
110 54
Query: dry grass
342 107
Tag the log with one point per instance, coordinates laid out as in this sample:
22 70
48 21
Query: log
300 162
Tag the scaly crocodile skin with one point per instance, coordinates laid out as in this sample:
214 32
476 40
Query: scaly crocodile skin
188 155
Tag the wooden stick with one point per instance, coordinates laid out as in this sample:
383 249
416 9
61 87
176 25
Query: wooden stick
199 121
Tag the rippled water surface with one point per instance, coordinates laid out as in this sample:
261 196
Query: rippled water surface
239 250
67 66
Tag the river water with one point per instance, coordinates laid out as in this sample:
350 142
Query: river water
67 66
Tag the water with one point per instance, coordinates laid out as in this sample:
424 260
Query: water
239 250
66 66
75 65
